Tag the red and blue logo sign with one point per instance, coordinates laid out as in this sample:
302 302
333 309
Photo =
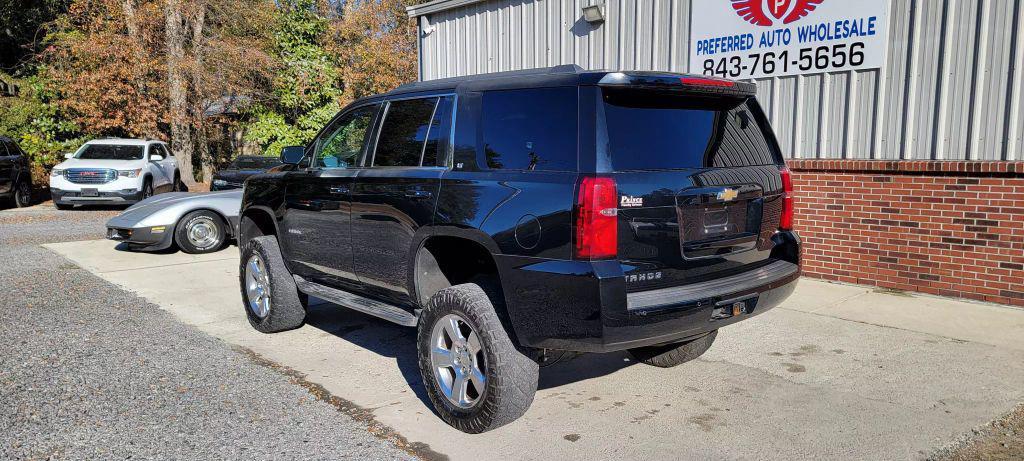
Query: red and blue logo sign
768 13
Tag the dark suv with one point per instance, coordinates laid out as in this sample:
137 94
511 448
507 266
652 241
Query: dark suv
516 215
234 176
15 174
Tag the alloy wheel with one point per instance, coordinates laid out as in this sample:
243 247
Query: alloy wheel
257 286
24 193
459 361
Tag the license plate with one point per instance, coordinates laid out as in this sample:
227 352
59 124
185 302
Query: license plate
90 193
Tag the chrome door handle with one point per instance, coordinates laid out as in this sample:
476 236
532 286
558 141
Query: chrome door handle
339 190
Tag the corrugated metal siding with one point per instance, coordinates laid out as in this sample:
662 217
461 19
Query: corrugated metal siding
953 86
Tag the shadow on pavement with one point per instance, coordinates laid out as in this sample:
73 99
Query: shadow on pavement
370 333
124 246
398 342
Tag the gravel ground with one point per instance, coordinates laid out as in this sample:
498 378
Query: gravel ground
1000 440
88 370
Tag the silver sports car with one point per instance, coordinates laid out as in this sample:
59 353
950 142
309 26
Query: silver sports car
195 222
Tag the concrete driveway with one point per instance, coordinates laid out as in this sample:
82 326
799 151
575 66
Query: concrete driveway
837 372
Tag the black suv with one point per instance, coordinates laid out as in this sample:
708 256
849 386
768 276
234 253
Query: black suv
512 216
234 176
15 174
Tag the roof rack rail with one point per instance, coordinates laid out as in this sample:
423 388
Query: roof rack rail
559 69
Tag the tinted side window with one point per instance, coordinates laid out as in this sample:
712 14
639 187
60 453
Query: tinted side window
404 132
167 152
4 148
343 141
532 129
435 152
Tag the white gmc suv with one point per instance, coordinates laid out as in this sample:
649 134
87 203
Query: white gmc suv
114 171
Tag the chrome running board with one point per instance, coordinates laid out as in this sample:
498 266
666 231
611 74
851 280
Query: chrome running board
362 304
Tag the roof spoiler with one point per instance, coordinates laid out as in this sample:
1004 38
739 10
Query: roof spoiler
685 82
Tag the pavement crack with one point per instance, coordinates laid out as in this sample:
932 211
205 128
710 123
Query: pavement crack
161 266
935 335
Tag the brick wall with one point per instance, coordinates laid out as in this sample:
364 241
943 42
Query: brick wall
946 228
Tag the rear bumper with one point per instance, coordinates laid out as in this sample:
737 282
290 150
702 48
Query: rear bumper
583 306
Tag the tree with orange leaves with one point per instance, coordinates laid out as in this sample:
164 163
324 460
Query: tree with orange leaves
151 68
376 47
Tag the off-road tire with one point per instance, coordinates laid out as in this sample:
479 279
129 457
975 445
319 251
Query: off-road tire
182 229
22 196
670 355
286 309
176 185
511 376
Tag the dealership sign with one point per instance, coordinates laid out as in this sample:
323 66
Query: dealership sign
771 38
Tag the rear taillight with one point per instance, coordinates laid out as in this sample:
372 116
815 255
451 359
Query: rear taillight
786 222
597 235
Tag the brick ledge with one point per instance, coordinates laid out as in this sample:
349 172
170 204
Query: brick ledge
943 167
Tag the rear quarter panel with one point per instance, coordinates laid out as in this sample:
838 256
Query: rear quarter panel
524 213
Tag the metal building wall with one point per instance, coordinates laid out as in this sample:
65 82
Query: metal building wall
953 87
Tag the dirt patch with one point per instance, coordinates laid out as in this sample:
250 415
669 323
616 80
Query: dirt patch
706 421
34 217
1001 440
893 291
794 367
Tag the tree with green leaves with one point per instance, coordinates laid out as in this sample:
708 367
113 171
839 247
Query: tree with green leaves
22 30
307 83
34 120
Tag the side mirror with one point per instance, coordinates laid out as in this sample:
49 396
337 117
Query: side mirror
155 157
292 155
69 156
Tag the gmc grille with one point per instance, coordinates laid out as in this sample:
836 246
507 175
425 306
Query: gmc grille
90 175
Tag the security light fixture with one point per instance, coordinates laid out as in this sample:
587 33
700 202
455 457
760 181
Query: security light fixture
593 14
425 27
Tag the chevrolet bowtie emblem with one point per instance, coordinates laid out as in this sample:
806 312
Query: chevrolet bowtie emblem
728 195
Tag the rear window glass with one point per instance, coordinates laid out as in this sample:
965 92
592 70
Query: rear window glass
531 129
110 152
655 131
12 148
